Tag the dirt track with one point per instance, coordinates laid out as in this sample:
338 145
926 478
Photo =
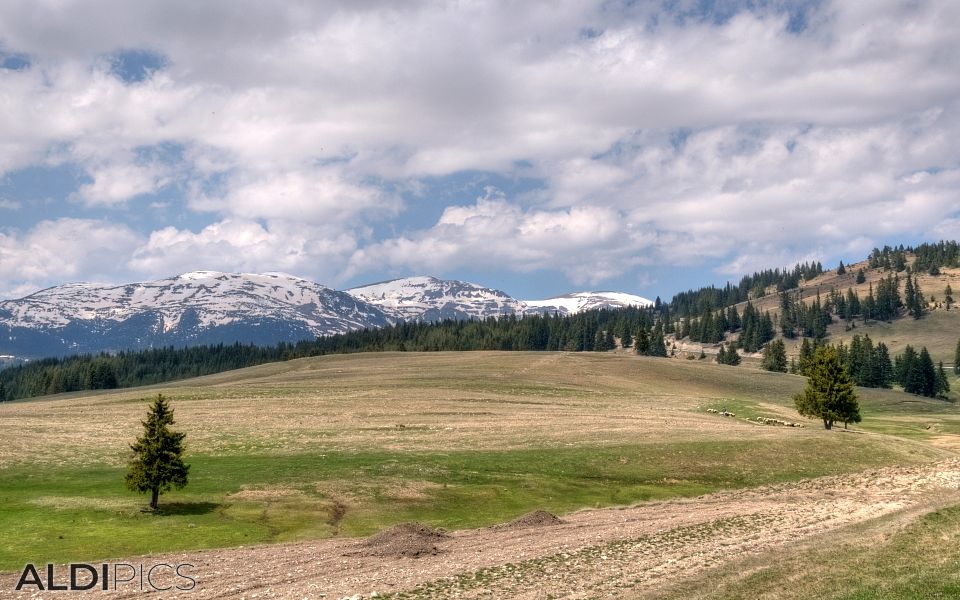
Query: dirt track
593 553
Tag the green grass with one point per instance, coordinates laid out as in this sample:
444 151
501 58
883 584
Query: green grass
57 514
874 561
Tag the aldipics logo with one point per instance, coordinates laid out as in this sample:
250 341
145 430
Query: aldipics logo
159 577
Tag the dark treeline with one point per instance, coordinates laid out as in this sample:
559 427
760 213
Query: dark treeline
595 330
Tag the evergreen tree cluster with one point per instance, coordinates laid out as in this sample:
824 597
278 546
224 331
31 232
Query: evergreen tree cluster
930 258
869 365
918 375
882 305
797 318
711 327
866 363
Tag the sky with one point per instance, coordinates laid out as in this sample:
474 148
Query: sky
536 147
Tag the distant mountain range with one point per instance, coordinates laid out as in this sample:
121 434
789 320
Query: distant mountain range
209 307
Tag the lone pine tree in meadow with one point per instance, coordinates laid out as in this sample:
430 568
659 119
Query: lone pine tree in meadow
829 394
157 463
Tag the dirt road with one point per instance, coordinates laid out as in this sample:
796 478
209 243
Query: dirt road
592 553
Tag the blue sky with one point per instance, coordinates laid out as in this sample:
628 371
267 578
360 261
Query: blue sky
540 148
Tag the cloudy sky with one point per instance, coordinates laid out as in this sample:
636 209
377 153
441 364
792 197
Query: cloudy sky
538 147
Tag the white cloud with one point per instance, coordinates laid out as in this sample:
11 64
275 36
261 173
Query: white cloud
117 183
62 250
588 243
318 195
245 246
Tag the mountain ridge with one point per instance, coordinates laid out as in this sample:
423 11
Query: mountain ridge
209 307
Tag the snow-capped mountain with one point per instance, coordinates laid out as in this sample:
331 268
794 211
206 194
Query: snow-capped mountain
580 301
193 308
209 307
432 299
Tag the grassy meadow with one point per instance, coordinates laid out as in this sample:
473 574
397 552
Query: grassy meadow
346 445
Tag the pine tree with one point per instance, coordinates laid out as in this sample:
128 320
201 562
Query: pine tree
919 303
657 346
948 296
775 357
841 270
829 394
942 387
924 379
157 464
625 339
600 342
956 360
884 366
904 366
642 345
861 277
806 356
910 296
722 355
733 358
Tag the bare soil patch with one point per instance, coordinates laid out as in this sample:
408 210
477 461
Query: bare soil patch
537 518
406 540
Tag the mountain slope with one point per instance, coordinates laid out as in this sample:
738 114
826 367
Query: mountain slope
431 299
193 308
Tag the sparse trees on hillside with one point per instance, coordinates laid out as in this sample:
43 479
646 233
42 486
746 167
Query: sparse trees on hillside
157 463
829 394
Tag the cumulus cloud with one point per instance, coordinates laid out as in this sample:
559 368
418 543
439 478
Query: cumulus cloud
317 195
116 183
588 243
244 246
62 250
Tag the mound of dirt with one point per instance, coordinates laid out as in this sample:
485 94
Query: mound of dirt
406 539
537 518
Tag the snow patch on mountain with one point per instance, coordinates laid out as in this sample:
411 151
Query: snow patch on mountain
573 303
215 298
430 299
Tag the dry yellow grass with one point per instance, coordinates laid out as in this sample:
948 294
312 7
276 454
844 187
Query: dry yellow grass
481 400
